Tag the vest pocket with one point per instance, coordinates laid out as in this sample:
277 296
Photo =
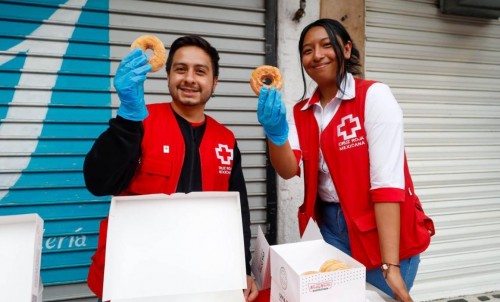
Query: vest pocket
416 228
365 240
152 176
423 219
366 222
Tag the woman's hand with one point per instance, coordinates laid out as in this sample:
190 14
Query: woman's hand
271 114
251 292
397 284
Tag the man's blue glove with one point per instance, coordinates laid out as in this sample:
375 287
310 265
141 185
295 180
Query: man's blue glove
271 113
129 84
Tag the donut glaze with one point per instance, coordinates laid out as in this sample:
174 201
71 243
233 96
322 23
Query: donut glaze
332 265
159 56
309 273
265 75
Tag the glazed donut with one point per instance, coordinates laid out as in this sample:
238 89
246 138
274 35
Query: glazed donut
310 273
336 267
265 75
159 56
332 265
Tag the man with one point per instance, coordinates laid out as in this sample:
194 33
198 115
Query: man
166 147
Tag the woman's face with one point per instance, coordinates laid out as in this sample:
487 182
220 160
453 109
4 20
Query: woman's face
318 56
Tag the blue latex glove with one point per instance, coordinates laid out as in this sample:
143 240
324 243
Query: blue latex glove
271 113
129 84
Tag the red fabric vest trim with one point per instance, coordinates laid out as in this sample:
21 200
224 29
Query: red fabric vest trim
344 146
160 168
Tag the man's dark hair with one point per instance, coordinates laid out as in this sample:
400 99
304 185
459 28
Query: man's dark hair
194 40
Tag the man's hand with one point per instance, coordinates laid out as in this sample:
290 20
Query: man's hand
129 85
251 292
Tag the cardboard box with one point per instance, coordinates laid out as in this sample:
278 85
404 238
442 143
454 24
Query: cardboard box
289 261
309 254
180 247
261 266
20 255
372 295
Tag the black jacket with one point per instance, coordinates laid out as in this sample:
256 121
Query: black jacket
111 163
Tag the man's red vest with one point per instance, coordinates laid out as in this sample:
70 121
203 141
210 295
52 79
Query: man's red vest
346 153
160 167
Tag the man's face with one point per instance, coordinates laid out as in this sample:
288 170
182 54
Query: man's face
191 81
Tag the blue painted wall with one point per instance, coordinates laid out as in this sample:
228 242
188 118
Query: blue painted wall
76 111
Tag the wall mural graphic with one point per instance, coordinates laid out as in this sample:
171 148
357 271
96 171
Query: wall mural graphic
54 101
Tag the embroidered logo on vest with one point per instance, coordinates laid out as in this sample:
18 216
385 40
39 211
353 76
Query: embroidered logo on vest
348 127
225 155
347 130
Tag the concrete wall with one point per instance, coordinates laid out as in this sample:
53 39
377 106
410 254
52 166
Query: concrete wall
352 15
290 192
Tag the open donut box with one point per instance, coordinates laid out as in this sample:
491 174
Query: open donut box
175 248
21 239
281 267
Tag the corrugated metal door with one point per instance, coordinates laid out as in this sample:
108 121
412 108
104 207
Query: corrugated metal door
57 61
54 95
445 72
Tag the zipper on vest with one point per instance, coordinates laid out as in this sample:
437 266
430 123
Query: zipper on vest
191 159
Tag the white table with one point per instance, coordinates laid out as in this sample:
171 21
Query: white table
374 294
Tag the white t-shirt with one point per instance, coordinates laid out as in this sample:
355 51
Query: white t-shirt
384 131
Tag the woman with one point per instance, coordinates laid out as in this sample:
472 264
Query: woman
349 136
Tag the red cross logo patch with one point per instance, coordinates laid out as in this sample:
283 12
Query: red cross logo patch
348 127
224 154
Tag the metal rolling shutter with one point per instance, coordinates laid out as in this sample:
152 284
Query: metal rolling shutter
55 86
57 61
445 72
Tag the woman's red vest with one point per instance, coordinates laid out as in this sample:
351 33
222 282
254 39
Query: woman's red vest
160 167
345 150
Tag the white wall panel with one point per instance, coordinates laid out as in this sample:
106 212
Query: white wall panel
445 72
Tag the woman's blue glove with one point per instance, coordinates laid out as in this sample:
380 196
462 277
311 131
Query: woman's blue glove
271 113
129 84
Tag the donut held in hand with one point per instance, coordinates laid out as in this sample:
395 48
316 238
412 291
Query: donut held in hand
159 56
265 75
